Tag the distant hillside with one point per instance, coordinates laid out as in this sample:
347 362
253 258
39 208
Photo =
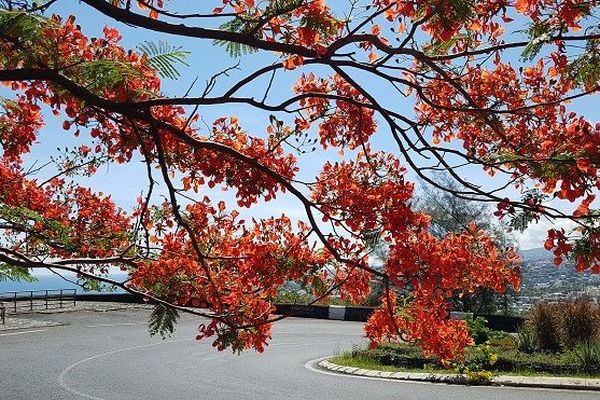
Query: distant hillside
536 254
539 275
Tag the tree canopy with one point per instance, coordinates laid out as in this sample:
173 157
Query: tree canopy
490 84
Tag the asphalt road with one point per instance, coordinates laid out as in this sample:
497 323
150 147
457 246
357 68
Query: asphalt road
110 356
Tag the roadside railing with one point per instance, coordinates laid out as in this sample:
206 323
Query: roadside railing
32 300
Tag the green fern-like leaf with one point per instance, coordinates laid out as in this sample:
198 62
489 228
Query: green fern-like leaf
15 274
162 321
441 48
164 57
585 69
539 36
21 25
235 49
106 74
249 25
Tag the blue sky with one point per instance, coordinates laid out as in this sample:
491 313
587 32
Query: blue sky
126 182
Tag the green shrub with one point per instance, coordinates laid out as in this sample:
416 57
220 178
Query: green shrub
553 363
478 377
526 339
544 321
479 330
588 355
480 358
505 341
579 322
408 356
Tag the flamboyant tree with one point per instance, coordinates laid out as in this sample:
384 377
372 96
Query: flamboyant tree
451 83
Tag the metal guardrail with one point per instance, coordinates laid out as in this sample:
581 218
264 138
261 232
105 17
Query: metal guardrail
31 300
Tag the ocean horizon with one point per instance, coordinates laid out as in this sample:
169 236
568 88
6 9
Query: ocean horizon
52 282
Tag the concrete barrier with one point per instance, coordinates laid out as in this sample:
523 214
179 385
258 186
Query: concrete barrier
337 312
317 311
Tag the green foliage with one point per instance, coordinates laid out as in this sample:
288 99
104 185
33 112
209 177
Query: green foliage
539 35
235 49
26 218
442 48
585 70
15 274
451 214
583 246
249 25
478 329
91 284
526 341
482 334
301 297
588 354
549 363
480 361
21 25
407 356
521 220
478 377
162 321
293 297
502 340
374 297
164 57
106 74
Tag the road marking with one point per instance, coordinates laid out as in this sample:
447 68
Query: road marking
70 389
112 325
359 334
61 377
22 333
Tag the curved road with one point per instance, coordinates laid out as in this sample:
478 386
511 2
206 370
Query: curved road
109 356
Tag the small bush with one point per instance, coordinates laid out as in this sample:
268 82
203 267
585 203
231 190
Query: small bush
578 323
513 360
588 355
400 355
479 330
503 342
544 321
480 358
526 340
478 377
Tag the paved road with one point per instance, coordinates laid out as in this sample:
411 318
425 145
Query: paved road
109 356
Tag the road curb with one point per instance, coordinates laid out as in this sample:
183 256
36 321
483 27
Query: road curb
456 379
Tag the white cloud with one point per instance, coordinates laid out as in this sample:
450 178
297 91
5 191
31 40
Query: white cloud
535 235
